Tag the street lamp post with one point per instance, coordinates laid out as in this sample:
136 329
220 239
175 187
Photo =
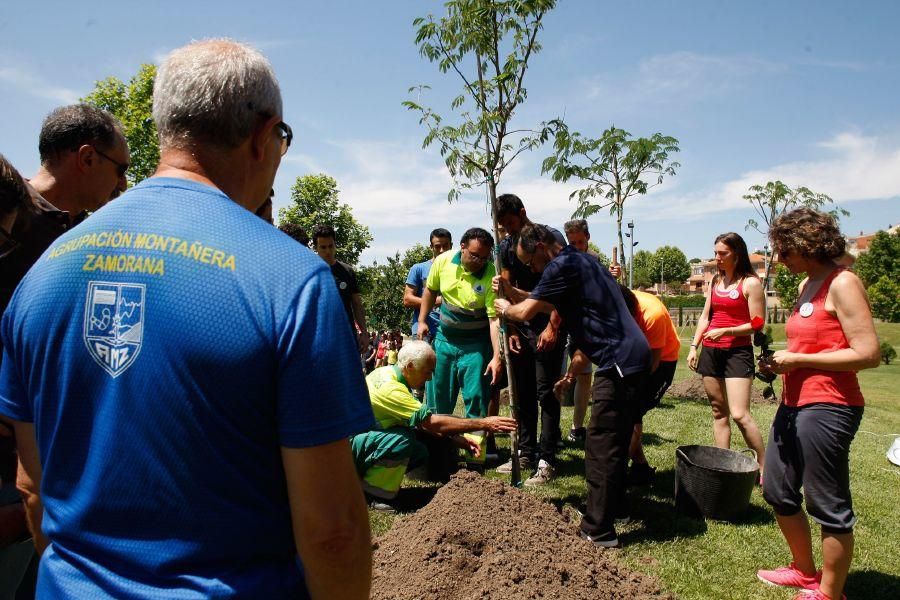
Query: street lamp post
631 255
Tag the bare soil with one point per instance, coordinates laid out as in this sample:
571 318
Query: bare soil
481 538
691 388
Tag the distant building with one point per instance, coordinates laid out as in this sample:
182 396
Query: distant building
860 244
703 272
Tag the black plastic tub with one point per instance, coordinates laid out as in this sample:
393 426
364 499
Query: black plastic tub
713 482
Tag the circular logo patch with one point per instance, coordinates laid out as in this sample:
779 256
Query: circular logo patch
479 289
733 294
343 285
806 309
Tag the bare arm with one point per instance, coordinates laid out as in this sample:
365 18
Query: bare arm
848 299
359 313
410 300
28 480
330 520
425 307
523 311
510 292
703 320
450 425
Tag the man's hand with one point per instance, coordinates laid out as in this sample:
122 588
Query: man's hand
547 340
461 441
515 343
615 271
422 331
501 304
561 388
495 368
501 286
499 424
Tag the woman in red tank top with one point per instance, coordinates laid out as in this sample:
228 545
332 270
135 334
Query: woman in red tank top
735 298
830 337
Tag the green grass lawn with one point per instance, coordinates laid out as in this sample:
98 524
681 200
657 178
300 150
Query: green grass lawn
703 560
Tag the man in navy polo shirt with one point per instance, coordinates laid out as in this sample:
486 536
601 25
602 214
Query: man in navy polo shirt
182 376
590 303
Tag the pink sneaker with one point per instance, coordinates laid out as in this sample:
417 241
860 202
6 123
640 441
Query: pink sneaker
815 595
790 577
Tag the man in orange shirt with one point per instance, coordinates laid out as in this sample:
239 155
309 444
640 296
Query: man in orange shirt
653 318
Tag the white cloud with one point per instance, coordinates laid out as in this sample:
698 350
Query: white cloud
859 168
679 76
34 84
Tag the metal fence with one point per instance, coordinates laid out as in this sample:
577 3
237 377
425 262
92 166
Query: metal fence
687 316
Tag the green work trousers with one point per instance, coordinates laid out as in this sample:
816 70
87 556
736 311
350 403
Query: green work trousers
383 456
460 366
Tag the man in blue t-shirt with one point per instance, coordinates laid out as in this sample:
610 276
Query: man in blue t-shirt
440 241
590 303
182 377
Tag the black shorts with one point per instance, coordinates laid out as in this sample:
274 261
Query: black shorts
653 388
809 448
726 362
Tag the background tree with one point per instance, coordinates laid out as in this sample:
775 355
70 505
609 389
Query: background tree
132 104
488 44
314 201
604 259
670 264
382 287
774 199
694 261
884 296
786 285
645 271
881 260
615 166
887 353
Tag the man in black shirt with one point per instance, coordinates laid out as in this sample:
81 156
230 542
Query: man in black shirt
536 348
345 280
589 300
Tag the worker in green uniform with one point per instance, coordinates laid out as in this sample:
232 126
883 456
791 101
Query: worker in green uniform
384 454
467 340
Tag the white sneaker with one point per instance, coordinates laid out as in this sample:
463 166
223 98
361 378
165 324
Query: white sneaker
544 473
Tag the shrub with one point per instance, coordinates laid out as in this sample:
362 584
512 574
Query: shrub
887 353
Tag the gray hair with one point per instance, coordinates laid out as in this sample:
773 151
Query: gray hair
415 354
213 92
579 225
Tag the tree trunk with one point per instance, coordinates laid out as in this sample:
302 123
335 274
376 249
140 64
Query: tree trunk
621 242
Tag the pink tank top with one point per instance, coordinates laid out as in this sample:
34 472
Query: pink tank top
729 309
810 330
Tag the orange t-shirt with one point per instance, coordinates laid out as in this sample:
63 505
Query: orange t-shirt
657 326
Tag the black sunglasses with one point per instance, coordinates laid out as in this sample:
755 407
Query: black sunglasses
122 167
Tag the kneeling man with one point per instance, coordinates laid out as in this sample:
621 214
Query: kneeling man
384 454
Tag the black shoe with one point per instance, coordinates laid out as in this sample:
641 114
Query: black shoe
640 474
577 435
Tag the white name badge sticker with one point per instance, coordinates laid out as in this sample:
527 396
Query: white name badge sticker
733 294
806 309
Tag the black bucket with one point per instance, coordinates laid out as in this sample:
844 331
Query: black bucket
714 482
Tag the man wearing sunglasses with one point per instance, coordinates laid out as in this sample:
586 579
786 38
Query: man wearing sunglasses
181 376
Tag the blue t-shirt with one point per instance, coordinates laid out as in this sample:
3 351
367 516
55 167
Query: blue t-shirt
591 305
165 349
416 280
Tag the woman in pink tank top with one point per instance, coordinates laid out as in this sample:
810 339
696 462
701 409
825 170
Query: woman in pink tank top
830 337
735 299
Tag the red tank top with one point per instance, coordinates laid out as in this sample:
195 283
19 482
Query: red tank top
729 309
811 329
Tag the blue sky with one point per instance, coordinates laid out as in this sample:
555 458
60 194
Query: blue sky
805 92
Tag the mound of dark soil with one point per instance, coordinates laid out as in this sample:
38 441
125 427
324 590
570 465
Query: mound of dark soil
692 389
481 538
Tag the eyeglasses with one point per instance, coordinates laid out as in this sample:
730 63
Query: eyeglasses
475 258
122 167
286 134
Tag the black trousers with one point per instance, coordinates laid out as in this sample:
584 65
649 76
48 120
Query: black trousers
535 373
606 449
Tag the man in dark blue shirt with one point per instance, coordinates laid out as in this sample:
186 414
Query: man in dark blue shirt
589 302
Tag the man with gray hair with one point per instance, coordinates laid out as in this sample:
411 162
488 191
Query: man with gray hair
169 366
387 451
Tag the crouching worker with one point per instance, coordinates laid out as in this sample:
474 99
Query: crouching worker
384 454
